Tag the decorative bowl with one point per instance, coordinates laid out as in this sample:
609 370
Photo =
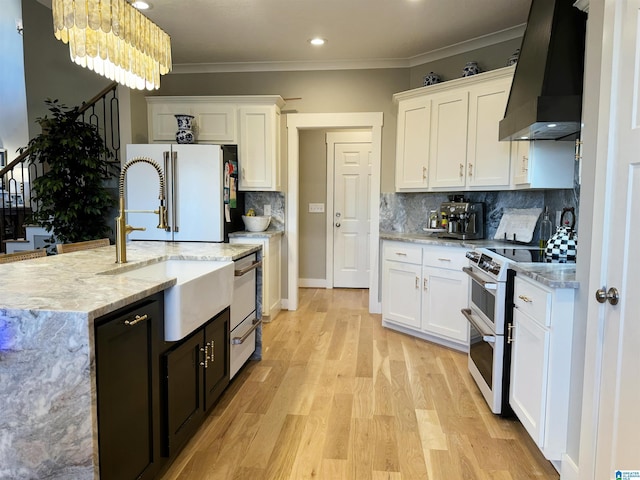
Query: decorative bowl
257 223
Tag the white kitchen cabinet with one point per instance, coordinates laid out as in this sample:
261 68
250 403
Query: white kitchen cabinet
541 338
542 164
250 121
453 126
488 159
412 146
271 271
448 136
259 148
214 122
423 291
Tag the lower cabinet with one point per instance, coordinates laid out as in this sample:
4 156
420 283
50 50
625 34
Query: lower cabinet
541 338
423 291
195 373
127 377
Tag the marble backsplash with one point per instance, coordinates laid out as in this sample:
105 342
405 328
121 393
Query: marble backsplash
257 201
408 212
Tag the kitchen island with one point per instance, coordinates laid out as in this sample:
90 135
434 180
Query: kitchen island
48 424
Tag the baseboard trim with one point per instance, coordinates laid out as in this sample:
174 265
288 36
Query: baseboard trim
568 470
312 283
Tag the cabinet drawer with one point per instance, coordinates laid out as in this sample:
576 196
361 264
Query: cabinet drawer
533 300
451 258
242 344
403 252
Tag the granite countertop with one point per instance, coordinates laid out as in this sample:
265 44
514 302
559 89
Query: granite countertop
553 275
264 234
84 282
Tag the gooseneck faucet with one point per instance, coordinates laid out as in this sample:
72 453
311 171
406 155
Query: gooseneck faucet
122 229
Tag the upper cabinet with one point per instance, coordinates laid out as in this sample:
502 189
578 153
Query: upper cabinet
447 139
250 121
448 135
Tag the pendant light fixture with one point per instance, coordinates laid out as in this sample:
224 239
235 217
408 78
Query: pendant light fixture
113 39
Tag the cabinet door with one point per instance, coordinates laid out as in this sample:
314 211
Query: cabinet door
215 123
520 163
128 393
184 395
448 140
412 145
401 293
543 164
216 367
162 121
488 159
258 155
529 362
445 293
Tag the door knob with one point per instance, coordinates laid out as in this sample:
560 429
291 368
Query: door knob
612 295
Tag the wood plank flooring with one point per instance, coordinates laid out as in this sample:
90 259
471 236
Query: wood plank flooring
337 396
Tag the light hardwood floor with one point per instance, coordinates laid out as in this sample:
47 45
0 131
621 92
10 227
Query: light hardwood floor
337 396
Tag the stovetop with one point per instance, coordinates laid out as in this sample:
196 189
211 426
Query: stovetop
525 254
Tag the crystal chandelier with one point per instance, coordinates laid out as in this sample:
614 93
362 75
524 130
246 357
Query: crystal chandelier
114 40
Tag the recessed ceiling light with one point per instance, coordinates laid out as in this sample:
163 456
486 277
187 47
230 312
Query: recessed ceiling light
317 41
140 5
551 125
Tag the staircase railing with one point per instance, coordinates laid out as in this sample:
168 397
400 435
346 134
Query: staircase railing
17 205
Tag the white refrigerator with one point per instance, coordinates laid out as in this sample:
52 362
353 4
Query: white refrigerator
201 195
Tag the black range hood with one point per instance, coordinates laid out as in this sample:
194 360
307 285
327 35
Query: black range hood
545 102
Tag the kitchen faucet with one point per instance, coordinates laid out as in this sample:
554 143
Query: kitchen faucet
122 229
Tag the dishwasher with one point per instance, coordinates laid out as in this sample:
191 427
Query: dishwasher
244 318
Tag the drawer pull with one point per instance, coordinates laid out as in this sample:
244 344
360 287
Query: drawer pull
525 299
240 340
253 266
444 259
138 319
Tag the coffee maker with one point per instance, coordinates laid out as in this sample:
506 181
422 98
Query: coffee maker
462 220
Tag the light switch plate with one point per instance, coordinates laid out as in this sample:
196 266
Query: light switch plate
316 208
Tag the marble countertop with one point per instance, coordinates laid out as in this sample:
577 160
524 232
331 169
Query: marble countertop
265 234
553 275
84 281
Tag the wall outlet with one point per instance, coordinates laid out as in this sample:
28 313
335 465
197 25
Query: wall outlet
316 208
267 209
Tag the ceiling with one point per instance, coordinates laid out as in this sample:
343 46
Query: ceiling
272 34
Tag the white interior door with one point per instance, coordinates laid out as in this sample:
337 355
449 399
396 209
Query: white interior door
350 215
616 340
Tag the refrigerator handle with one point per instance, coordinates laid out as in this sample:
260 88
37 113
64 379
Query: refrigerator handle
165 156
174 190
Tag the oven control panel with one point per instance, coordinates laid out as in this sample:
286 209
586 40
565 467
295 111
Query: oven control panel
485 262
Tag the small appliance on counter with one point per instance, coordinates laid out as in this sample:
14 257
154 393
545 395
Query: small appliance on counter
462 220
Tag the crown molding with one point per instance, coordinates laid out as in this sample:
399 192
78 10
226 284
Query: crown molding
456 49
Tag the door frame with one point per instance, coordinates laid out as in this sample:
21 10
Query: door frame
304 121
345 136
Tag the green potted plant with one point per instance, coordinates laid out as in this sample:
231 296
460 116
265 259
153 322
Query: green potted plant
72 200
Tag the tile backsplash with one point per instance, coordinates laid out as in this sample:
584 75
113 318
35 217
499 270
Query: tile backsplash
408 212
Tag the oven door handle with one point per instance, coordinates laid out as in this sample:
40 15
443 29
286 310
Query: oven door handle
486 285
487 336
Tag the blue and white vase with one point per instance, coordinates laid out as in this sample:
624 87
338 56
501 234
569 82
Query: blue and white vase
431 79
471 68
185 132
513 59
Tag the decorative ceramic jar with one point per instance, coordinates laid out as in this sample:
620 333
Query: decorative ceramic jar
471 68
513 59
185 132
431 79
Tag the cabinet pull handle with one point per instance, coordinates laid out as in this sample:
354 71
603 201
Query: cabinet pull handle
417 282
461 170
240 340
402 254
510 333
212 357
470 170
205 364
253 266
525 299
442 259
424 173
138 319
425 284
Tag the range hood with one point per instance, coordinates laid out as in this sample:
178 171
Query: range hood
545 102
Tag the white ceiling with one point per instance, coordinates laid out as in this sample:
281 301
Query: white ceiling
272 34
